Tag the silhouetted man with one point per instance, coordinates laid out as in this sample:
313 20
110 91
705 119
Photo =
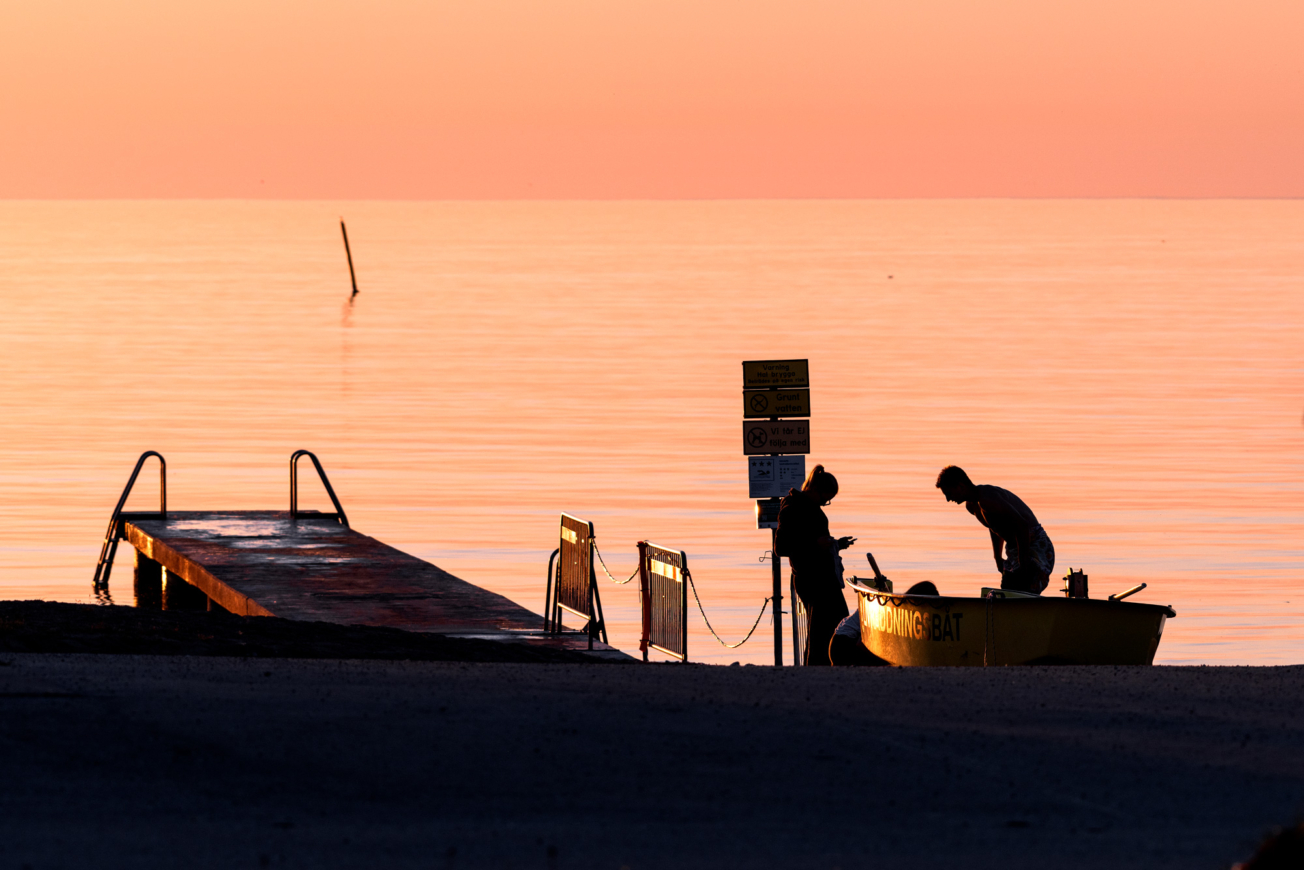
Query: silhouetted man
1029 554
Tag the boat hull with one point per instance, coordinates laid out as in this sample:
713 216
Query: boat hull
923 630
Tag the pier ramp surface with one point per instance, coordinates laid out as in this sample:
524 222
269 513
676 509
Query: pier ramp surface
304 567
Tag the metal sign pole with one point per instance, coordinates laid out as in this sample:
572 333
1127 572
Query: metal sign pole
776 571
772 390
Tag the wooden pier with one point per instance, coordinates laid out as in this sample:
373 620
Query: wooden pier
311 566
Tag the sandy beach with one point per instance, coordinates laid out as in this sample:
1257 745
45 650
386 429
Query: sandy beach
146 761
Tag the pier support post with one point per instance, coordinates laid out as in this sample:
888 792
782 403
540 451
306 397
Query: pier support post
180 595
148 583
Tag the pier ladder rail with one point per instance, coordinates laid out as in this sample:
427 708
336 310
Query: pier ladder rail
103 568
573 585
295 513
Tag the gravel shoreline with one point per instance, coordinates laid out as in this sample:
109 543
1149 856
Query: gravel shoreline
157 761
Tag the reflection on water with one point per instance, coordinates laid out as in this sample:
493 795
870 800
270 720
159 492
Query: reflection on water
1133 370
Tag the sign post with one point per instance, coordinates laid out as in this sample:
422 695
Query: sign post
773 389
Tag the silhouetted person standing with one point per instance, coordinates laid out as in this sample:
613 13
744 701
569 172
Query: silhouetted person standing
1029 554
812 553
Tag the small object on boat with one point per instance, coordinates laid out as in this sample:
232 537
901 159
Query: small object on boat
1007 627
1119 596
1075 584
878 581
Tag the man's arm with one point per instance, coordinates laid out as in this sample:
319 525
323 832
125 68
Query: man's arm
988 512
996 551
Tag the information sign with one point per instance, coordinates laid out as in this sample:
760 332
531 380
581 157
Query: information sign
776 403
775 436
782 373
773 476
767 513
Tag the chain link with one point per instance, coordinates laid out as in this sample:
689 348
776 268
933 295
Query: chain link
696 598
605 570
693 586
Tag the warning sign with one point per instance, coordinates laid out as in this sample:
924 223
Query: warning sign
773 476
775 436
776 403
790 373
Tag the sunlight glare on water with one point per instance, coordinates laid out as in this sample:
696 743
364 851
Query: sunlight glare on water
1133 369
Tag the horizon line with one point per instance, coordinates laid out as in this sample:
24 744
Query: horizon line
1121 197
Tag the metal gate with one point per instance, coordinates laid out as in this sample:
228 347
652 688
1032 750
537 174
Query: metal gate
573 588
800 624
663 583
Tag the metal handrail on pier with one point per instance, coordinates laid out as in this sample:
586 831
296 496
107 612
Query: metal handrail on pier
547 600
103 568
330 491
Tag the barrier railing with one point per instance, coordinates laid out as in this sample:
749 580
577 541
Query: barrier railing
573 587
664 583
800 625
663 588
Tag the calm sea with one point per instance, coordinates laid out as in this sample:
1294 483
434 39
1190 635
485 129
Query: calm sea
1133 369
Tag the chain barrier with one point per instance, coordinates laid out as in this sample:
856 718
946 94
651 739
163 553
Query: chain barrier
693 586
607 571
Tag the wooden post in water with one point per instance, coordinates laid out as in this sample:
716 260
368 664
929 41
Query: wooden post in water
349 254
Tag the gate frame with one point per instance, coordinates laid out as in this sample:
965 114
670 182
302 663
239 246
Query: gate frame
645 597
800 624
595 626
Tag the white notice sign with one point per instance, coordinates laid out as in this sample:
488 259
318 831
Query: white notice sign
773 476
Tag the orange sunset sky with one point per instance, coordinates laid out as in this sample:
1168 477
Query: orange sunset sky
433 99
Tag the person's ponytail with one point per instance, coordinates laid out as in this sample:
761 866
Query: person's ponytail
821 481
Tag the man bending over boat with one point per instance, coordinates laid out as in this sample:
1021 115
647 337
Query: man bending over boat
1029 554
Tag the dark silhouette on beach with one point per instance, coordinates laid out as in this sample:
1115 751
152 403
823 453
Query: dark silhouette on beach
1029 554
1284 850
804 538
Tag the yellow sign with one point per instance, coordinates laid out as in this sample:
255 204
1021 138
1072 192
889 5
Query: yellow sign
776 403
666 570
790 373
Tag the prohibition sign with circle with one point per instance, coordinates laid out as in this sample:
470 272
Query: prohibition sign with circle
757 437
759 402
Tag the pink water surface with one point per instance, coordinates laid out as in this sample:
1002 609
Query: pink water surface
1133 369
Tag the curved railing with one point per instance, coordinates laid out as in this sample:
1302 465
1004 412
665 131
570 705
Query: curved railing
330 491
103 568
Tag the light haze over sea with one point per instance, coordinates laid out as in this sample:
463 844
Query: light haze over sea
1134 369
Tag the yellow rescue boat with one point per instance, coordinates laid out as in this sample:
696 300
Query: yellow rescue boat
1006 628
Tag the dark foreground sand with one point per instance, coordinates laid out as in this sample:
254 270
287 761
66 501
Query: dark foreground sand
141 761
